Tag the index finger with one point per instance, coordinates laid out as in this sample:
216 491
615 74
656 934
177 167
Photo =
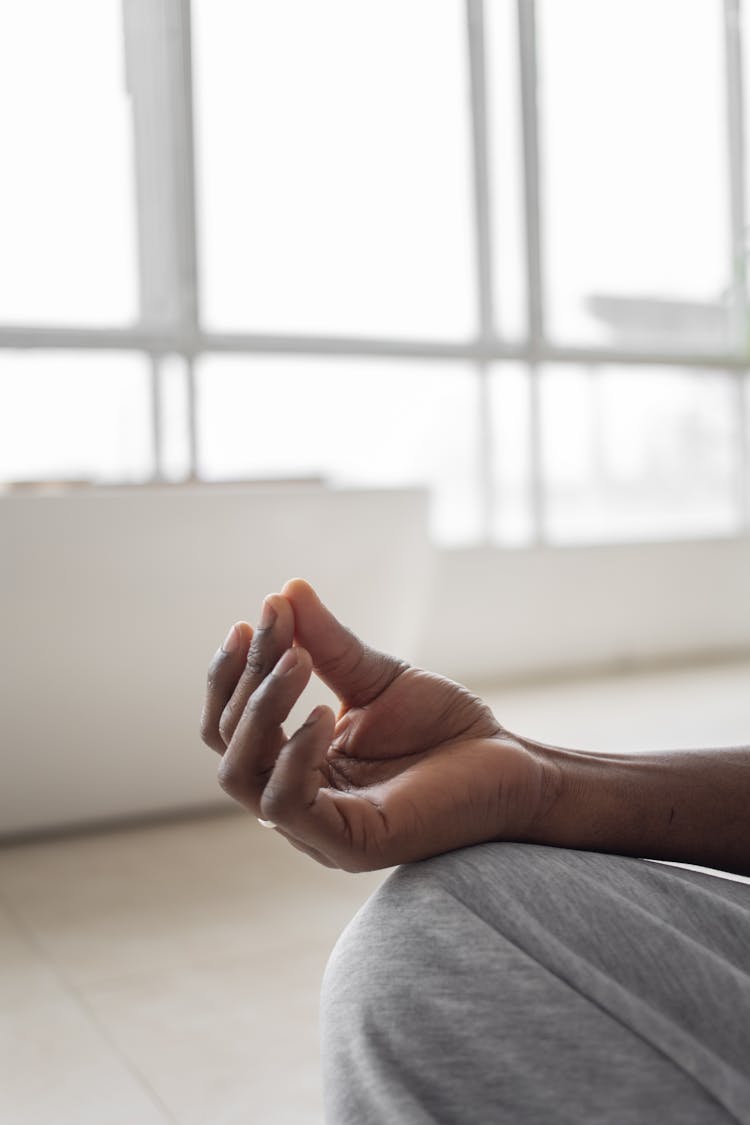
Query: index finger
224 672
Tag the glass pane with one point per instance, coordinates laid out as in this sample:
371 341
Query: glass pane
67 241
634 163
82 416
506 156
174 418
510 421
333 166
351 422
639 453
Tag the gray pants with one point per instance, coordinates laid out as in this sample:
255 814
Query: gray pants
539 986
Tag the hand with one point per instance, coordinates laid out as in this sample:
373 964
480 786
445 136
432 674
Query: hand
413 764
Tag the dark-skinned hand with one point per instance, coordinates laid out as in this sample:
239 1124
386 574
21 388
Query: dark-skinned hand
412 765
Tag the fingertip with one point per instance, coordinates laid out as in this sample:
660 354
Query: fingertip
239 636
322 716
292 661
273 602
305 664
299 589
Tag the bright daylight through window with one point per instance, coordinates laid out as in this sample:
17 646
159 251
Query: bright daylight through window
445 243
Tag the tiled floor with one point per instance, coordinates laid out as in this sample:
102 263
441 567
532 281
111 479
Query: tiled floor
170 973
165 974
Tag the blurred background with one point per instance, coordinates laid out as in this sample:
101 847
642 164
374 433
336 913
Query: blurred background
441 304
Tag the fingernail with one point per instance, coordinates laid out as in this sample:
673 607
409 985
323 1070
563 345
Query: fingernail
287 662
268 615
232 641
315 715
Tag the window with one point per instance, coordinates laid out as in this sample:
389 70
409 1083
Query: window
450 243
333 172
74 415
635 189
67 217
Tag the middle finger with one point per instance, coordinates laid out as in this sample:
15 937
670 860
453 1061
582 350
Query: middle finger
273 636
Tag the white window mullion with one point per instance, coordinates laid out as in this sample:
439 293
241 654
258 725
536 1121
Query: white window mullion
192 417
483 249
480 160
527 45
157 46
740 325
736 179
528 60
157 49
157 420
147 70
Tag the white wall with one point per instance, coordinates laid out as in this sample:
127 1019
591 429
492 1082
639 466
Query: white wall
113 602
514 614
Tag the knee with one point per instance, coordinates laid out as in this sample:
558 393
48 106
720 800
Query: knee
410 930
416 954
377 994
376 953
379 962
416 921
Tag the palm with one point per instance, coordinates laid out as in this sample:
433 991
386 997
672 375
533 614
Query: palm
424 767
417 714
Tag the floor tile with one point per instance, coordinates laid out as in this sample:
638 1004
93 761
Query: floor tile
127 901
229 1042
57 1067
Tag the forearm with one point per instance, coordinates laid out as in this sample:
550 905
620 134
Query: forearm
691 806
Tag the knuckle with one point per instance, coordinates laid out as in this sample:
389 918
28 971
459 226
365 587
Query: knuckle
229 777
212 678
206 727
265 705
255 665
276 804
368 671
227 724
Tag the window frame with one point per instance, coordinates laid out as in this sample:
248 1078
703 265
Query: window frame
157 41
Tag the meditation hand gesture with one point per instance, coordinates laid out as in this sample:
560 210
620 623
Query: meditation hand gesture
413 764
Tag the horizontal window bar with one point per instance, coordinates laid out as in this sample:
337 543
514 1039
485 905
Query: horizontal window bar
478 350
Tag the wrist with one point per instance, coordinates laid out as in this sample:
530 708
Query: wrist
687 806
597 802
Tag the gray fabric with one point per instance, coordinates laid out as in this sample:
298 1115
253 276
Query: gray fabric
539 986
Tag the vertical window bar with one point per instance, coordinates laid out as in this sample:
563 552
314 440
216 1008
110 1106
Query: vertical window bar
736 153
147 52
527 45
537 491
738 234
157 421
527 49
481 173
184 155
185 181
157 36
483 240
157 42
192 418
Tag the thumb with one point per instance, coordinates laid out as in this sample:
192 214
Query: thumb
356 672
